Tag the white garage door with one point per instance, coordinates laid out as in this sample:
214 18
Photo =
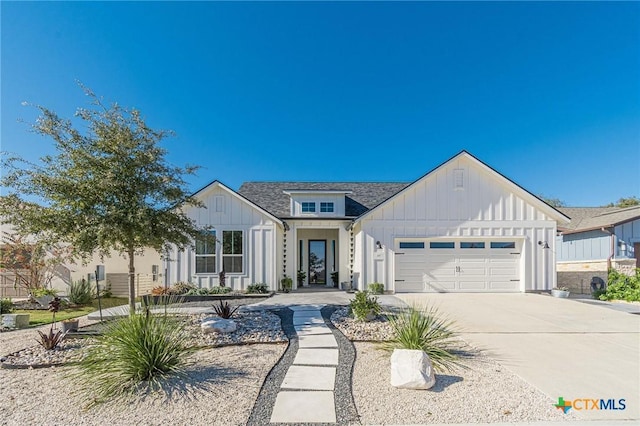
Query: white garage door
457 266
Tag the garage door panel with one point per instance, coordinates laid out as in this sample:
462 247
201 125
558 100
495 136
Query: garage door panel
472 285
410 286
439 286
504 285
458 269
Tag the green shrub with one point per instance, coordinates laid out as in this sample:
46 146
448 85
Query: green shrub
596 294
6 306
622 287
220 290
425 330
376 288
182 287
134 354
198 292
363 305
39 292
80 293
258 288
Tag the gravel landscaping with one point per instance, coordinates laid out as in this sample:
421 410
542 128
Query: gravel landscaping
220 389
224 385
485 392
253 327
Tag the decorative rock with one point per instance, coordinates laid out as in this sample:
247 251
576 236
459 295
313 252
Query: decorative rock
218 326
411 369
15 320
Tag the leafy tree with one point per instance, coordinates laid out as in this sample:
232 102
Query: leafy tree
625 202
31 264
553 202
107 187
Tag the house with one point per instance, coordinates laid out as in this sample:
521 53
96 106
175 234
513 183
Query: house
597 239
113 270
462 227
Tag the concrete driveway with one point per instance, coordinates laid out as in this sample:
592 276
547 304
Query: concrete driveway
563 347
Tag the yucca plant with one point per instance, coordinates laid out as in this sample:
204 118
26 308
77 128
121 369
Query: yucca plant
80 292
136 353
224 310
52 339
424 329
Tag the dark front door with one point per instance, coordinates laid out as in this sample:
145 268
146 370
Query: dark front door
318 262
636 250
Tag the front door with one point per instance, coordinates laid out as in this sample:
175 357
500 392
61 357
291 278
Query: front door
636 251
317 262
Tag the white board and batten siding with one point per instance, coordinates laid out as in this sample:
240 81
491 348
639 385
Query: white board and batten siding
462 201
227 211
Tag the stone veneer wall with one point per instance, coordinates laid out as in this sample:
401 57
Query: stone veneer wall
577 275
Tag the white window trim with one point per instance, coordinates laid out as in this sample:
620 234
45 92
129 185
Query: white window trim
214 255
244 250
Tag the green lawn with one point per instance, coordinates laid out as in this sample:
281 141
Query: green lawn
40 317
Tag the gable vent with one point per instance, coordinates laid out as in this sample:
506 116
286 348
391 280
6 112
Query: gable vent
458 179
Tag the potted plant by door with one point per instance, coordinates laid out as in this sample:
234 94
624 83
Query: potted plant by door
562 292
286 284
70 324
302 275
334 278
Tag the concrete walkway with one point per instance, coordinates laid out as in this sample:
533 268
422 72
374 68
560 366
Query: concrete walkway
307 391
564 347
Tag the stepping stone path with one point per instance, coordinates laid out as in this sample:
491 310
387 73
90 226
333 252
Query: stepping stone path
307 391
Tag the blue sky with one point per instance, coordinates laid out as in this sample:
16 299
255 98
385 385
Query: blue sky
546 93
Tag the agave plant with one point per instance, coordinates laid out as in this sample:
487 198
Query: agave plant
224 310
52 339
424 329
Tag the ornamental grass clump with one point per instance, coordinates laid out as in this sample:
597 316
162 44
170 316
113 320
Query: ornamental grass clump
424 329
80 292
136 354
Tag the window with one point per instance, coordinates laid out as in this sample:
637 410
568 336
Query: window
326 207
206 254
503 245
439 245
474 245
155 271
411 245
232 251
308 207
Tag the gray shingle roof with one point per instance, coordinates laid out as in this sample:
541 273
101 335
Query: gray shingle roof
587 218
364 195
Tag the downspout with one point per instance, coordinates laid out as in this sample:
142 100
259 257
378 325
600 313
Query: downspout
613 248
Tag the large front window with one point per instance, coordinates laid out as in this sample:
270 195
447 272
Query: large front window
232 251
206 255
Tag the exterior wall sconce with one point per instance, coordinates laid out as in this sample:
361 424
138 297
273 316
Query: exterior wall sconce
378 245
543 244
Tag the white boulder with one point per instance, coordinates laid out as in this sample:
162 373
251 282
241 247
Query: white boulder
218 325
411 369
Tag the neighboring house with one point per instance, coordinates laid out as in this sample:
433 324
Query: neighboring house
596 239
462 227
113 272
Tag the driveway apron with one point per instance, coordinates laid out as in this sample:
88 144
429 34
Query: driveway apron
563 347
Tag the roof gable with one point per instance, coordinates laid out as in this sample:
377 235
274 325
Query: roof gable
590 218
496 178
217 184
